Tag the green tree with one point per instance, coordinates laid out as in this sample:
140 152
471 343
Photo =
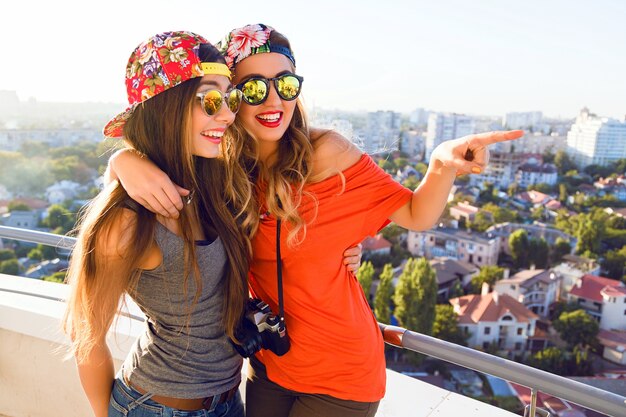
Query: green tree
6 254
59 218
614 263
56 277
411 182
577 328
482 221
542 188
537 213
387 165
365 275
18 206
559 250
589 234
392 232
563 193
421 168
446 326
551 359
548 155
500 214
400 162
415 296
512 189
456 290
519 246
48 252
563 162
384 294
539 253
9 267
35 255
488 274
488 193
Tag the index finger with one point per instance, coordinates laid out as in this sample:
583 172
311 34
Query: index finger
489 138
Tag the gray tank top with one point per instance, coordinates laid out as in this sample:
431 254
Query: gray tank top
183 354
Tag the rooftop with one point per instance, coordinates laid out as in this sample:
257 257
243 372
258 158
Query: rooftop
489 308
591 286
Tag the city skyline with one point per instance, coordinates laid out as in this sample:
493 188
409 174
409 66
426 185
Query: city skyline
479 58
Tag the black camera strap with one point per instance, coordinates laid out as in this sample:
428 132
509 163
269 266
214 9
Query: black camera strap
279 275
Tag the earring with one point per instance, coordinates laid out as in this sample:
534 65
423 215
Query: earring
187 200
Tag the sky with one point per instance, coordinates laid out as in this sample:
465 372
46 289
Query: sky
484 57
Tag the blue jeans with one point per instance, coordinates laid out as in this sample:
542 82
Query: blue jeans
126 402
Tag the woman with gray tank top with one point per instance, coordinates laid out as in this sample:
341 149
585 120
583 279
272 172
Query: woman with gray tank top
179 271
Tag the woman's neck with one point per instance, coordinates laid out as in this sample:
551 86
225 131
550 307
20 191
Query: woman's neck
268 152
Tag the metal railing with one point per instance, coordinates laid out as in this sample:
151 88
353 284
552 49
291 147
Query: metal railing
535 379
34 236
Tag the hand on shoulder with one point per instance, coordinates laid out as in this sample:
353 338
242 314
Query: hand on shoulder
332 153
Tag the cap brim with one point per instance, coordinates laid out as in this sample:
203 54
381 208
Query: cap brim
115 127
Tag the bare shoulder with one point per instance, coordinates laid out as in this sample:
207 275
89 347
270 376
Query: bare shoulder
332 152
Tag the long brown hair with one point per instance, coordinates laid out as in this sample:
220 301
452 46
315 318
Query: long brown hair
224 205
291 171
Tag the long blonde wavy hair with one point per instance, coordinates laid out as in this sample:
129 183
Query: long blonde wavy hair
225 205
286 178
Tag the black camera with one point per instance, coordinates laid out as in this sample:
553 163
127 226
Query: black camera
261 329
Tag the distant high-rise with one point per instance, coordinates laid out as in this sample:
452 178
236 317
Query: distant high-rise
522 120
419 117
446 126
382 132
596 140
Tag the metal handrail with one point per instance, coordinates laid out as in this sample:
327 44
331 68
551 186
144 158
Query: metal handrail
555 385
34 236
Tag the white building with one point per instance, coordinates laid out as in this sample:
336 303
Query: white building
446 126
531 174
419 117
571 269
491 318
603 299
413 143
596 140
522 120
538 143
475 248
61 191
504 161
382 133
502 232
535 288
21 219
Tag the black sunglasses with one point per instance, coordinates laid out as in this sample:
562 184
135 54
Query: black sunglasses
256 89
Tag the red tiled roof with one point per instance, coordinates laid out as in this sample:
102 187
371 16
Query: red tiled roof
534 197
466 208
33 203
614 291
553 205
612 338
554 405
591 287
375 243
489 308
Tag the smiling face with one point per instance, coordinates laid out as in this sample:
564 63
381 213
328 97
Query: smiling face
207 131
267 122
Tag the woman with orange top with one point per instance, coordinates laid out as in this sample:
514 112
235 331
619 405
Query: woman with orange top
328 195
